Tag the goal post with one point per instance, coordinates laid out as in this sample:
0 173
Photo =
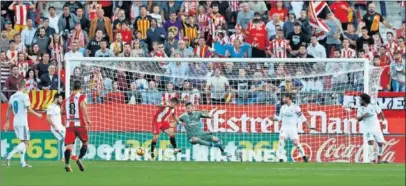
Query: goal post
123 94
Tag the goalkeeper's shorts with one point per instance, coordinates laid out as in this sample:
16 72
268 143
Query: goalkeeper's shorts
157 127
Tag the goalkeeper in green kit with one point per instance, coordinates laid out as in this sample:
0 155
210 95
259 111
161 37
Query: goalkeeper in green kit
195 135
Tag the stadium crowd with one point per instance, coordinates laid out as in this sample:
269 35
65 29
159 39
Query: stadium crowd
36 39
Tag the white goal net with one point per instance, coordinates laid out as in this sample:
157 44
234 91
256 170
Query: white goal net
240 94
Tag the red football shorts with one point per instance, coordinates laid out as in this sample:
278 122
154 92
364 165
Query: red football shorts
73 132
158 126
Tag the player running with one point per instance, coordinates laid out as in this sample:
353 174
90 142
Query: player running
19 104
290 115
191 120
55 120
161 123
367 114
77 125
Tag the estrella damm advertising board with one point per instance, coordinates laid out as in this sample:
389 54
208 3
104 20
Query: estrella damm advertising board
121 146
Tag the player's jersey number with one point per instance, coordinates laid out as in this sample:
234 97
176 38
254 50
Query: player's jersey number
15 107
72 109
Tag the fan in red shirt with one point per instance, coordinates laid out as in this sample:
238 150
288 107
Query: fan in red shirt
279 9
258 39
125 32
385 76
340 10
160 123
77 125
250 25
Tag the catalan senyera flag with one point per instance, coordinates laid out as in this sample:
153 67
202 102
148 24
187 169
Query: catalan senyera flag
41 99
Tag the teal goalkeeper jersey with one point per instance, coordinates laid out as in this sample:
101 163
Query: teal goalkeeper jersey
192 122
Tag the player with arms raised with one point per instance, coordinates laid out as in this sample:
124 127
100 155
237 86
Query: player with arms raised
161 123
77 125
367 114
191 121
290 115
19 104
55 120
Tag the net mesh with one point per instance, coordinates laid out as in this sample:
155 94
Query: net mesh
241 97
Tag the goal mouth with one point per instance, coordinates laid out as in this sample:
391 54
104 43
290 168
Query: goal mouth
242 96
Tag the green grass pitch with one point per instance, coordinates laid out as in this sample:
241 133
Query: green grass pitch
102 173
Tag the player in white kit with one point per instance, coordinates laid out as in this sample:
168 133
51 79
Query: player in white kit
55 120
290 115
20 104
367 115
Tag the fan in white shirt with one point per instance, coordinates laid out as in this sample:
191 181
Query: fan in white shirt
290 115
367 114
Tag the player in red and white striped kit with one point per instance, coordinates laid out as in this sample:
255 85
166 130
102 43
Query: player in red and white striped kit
77 125
278 47
161 122
347 52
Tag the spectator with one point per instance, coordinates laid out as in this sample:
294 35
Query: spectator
155 33
42 40
178 71
258 6
333 37
339 80
366 38
186 52
10 31
4 40
378 42
73 53
21 14
171 44
168 8
245 16
67 22
296 39
397 70
53 19
191 30
84 22
340 10
391 44
237 35
258 39
241 86
202 50
174 25
278 47
125 32
12 81
27 35
152 95
127 52
303 52
97 85
142 22
157 14
271 25
20 47
34 54
203 20
56 47
372 19
140 52
347 52
31 80
141 82
385 81
49 31
101 23
94 45
23 64
132 96
5 68
220 22
104 51
288 26
401 46
117 24
118 45
50 81
279 9
238 49
190 94
306 28
315 49
216 88
73 6
43 66
169 93
12 52
351 35
115 96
